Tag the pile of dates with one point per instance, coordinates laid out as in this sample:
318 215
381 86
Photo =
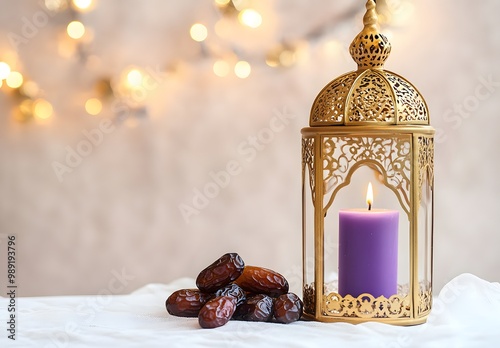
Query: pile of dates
227 289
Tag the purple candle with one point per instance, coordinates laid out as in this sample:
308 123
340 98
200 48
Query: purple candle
368 251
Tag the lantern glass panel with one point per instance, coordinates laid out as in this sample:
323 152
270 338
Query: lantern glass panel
308 257
425 224
354 196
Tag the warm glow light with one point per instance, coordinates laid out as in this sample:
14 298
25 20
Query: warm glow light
369 196
222 2
287 58
26 107
30 89
134 78
4 70
76 30
42 109
55 5
198 32
272 62
93 106
84 5
250 18
15 79
221 68
242 69
241 4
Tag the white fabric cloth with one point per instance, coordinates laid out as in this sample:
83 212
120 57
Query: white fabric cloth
465 314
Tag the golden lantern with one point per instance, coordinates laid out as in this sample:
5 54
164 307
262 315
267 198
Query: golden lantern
369 126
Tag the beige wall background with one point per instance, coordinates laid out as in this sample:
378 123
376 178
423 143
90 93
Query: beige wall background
115 218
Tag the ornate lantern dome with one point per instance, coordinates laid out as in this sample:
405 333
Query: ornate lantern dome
371 95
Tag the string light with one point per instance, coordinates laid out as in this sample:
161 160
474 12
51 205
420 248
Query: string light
26 106
75 30
42 109
15 79
24 111
29 89
93 106
83 5
221 68
222 2
55 5
250 18
242 69
282 55
4 70
226 7
134 78
198 32
239 5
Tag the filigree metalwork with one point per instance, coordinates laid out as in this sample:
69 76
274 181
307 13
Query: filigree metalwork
308 162
410 104
366 306
309 298
370 48
371 99
329 106
369 96
425 163
425 303
389 155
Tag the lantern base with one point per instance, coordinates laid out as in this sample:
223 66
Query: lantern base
391 321
396 310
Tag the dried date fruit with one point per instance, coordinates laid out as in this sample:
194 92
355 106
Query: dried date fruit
217 312
220 273
288 308
186 302
260 280
255 308
234 291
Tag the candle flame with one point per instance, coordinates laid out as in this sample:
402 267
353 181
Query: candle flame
369 196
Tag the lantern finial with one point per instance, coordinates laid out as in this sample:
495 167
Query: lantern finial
370 48
370 20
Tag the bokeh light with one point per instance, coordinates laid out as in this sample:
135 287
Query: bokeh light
42 109
198 32
83 5
134 78
287 58
75 30
221 68
15 79
242 69
56 5
250 18
93 106
4 70
29 89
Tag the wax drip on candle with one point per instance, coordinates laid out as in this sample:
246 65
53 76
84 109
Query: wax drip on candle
369 196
